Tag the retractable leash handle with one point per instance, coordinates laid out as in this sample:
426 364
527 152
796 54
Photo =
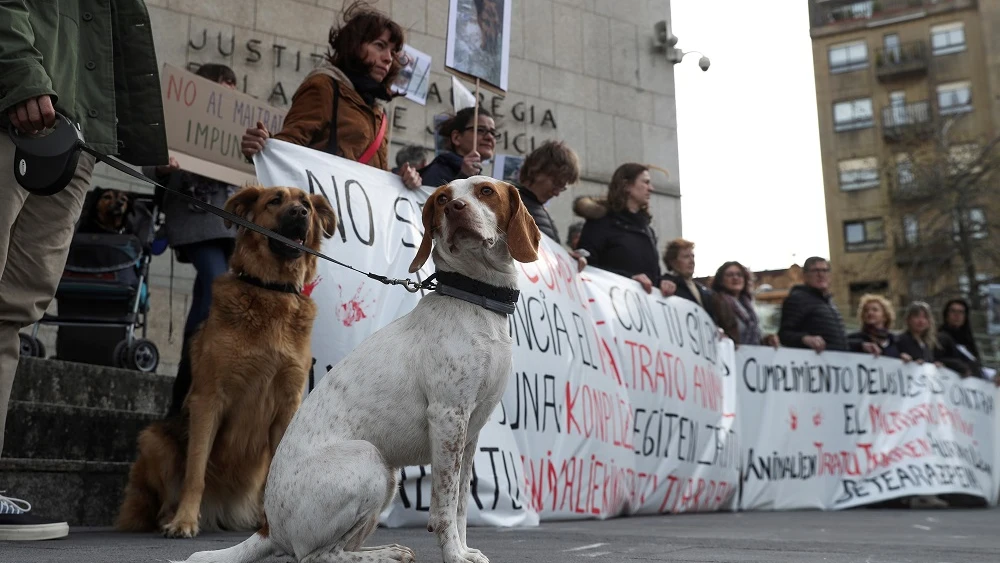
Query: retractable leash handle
44 165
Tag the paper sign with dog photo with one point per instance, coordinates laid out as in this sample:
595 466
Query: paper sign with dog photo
507 167
414 79
478 44
206 121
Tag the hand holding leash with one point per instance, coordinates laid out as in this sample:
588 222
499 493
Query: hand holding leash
33 115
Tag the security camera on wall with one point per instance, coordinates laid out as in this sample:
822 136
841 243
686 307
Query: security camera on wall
704 63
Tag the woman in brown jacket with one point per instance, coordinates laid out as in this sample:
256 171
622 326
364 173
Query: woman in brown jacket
339 107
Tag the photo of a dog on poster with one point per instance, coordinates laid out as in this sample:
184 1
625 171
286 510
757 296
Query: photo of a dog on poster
478 43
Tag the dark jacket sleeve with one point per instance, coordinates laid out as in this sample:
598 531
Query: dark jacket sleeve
723 315
855 341
22 75
438 173
592 239
948 354
792 312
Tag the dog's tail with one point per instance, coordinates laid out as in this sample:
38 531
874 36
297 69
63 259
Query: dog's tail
255 548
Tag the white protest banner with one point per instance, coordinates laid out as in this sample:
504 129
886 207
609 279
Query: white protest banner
620 402
838 430
205 122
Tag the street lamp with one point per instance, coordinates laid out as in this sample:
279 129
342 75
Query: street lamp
665 41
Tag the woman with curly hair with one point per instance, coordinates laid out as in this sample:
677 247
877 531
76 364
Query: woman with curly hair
617 231
732 286
339 107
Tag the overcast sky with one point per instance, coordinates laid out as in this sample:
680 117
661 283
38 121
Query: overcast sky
751 176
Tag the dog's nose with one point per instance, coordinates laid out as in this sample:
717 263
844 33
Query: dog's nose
298 211
456 205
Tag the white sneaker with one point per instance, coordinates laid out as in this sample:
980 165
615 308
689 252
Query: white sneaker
17 525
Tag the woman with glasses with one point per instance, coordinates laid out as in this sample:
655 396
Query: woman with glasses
956 325
466 149
340 107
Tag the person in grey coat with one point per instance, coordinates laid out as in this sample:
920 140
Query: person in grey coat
197 237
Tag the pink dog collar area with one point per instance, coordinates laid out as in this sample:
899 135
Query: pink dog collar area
497 299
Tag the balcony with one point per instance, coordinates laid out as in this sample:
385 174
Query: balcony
909 191
902 61
862 13
907 121
926 252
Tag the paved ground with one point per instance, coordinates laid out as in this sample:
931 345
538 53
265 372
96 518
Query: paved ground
857 536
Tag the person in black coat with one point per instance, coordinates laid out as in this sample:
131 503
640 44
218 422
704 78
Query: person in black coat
956 325
466 153
809 318
877 315
617 231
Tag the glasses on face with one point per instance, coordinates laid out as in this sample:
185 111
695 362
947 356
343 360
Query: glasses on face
734 275
956 311
819 271
491 132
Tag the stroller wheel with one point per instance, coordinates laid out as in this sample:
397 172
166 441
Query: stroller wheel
31 347
120 355
143 356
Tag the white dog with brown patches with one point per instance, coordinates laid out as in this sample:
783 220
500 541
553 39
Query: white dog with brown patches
416 392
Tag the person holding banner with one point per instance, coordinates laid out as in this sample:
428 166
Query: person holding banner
339 107
679 260
920 342
617 231
731 285
877 316
956 325
467 149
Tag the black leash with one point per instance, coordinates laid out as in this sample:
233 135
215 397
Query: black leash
113 162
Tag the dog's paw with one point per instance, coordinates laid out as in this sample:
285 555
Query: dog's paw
180 529
466 555
393 552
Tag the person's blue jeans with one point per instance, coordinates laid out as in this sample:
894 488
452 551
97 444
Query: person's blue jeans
210 260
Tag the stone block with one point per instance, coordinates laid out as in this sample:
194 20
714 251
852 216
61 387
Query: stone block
233 12
84 385
171 46
568 38
597 46
411 15
83 493
628 141
538 32
600 145
570 88
286 18
524 77
437 17
624 55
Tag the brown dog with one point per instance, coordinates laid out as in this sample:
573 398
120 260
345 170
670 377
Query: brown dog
108 212
206 468
488 16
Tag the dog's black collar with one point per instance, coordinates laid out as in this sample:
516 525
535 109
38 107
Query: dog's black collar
283 287
498 299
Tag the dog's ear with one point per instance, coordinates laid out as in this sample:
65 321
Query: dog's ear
424 252
523 235
324 215
242 202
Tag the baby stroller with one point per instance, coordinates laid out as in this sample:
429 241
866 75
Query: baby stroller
103 295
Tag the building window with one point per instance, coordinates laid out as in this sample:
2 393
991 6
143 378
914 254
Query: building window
954 97
975 222
948 38
858 173
911 229
853 114
864 234
918 289
847 57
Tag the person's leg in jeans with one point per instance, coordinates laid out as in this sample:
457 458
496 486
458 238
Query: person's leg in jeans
35 233
210 260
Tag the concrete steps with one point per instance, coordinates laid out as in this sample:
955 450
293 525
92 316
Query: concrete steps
71 436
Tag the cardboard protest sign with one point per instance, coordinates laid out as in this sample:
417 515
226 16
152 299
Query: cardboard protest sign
478 44
205 123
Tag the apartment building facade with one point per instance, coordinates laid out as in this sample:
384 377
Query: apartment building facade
896 78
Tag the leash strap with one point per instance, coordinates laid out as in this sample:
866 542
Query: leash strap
113 162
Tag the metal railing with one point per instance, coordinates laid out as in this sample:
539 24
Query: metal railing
900 120
833 12
901 60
